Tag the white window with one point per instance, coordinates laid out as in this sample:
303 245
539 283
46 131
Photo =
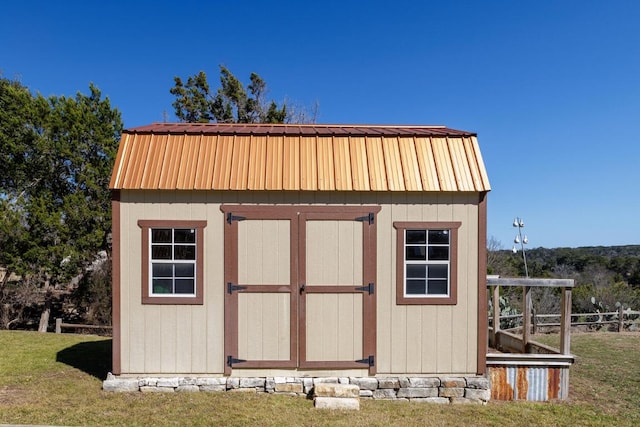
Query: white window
426 266
173 261
426 263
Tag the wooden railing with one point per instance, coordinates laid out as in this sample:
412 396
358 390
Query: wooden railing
622 319
60 325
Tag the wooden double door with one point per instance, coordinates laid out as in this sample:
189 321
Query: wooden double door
300 287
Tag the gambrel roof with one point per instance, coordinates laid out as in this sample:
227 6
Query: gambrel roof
195 156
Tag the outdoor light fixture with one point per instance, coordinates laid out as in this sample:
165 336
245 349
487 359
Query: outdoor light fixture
519 223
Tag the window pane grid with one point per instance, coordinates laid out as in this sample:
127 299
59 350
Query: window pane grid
427 261
173 261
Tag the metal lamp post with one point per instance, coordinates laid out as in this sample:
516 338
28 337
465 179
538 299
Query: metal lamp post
519 239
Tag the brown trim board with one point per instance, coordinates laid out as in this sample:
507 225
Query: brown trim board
482 285
116 282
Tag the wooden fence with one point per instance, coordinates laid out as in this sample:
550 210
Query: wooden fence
619 320
60 326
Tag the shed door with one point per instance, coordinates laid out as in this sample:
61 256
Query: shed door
337 291
300 288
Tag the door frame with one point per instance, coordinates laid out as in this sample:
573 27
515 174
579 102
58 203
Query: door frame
297 216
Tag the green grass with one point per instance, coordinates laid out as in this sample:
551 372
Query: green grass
56 379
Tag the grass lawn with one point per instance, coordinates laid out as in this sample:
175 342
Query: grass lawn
56 379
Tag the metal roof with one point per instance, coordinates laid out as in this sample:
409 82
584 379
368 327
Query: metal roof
212 156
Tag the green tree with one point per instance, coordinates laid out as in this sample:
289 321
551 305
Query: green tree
231 103
58 153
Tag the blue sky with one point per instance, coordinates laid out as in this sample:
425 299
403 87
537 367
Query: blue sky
552 88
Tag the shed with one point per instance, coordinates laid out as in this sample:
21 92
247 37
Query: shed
254 250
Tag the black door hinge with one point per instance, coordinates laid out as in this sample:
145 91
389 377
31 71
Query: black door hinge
370 288
368 218
233 287
369 360
231 218
231 360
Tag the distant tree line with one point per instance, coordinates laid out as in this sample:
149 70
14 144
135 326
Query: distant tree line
605 276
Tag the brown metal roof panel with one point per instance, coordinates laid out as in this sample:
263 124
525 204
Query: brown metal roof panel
188 169
222 163
446 178
205 162
135 170
171 163
122 162
393 165
308 164
128 169
427 164
460 164
257 163
154 160
325 159
359 168
342 162
410 168
240 163
274 163
291 163
375 164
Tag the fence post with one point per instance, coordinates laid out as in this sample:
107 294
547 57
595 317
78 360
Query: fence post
526 318
565 321
496 314
620 319
535 320
58 325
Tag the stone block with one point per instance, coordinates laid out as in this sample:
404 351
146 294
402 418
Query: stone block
336 390
186 381
451 392
424 382
389 383
474 393
479 382
366 393
404 382
168 382
365 383
121 385
333 380
187 388
206 381
251 382
148 389
384 394
233 383
149 381
321 402
343 380
289 388
453 382
412 392
270 385
280 380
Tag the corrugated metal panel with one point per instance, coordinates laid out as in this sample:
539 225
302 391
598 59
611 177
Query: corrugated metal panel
532 383
300 157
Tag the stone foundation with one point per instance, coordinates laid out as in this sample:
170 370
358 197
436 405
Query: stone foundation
419 389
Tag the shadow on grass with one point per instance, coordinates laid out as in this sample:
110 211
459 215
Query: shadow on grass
92 357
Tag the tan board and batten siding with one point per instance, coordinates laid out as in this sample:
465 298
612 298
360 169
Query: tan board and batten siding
413 173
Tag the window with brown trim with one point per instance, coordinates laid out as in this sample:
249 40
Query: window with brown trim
172 261
426 265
